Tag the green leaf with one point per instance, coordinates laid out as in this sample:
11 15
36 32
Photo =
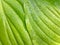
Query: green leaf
29 22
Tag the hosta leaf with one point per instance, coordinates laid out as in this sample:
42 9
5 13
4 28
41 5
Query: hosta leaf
29 22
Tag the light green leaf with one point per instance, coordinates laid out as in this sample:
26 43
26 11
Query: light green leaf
29 22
